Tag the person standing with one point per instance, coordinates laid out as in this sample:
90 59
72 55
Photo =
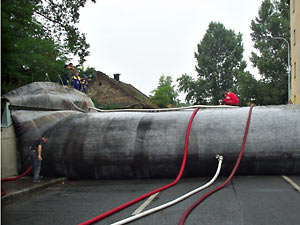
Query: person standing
76 81
84 84
36 157
229 98
67 74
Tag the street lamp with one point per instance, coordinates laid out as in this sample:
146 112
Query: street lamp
289 68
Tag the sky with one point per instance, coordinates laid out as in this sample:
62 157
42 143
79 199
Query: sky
144 39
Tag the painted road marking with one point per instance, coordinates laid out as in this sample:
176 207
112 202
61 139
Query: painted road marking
144 205
289 180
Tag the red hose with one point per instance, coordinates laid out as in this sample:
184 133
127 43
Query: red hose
112 211
17 177
203 197
3 192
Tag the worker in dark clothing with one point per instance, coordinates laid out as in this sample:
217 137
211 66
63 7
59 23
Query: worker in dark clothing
36 157
229 98
67 74
76 81
84 84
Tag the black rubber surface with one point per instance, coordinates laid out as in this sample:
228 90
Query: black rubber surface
150 144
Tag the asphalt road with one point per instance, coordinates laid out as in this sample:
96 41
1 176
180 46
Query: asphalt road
247 200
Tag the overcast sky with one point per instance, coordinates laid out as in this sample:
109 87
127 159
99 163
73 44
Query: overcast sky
144 39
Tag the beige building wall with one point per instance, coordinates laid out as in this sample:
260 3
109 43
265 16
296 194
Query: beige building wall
107 93
295 51
8 152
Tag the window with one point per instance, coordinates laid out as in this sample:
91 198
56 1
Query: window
293 5
295 70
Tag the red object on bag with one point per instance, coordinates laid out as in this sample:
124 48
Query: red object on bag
231 99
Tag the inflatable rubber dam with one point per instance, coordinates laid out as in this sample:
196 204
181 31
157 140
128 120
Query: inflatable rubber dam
88 143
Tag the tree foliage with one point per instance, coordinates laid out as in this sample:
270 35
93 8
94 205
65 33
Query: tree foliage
26 52
271 57
165 94
59 18
219 65
247 89
90 72
37 36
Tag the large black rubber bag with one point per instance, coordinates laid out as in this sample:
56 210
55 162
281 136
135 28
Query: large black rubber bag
48 95
38 106
144 144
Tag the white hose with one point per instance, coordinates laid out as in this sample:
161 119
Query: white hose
158 208
163 109
81 110
149 110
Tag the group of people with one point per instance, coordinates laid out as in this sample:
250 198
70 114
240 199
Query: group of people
81 84
78 83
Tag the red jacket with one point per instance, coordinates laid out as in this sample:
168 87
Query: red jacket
231 99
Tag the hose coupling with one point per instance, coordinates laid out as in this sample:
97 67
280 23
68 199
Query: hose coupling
219 157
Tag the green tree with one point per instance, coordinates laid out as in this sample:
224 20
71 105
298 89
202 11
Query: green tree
219 63
271 57
59 19
28 48
247 89
193 88
27 54
165 94
90 72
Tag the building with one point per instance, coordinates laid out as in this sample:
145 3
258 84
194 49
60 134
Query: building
110 93
295 51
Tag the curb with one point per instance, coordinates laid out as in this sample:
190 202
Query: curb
9 197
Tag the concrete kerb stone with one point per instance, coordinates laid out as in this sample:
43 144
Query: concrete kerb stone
14 196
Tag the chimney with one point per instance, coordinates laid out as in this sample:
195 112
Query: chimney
117 76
